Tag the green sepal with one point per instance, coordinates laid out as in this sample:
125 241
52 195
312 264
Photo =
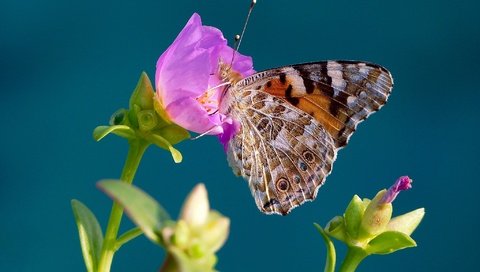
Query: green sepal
143 93
163 143
173 133
142 209
90 233
160 109
353 216
331 253
336 229
185 263
388 242
407 222
215 231
121 130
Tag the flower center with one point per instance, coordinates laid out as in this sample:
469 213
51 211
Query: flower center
209 99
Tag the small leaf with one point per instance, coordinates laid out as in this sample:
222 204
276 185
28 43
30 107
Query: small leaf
142 209
406 223
331 254
163 143
90 233
353 216
120 130
388 242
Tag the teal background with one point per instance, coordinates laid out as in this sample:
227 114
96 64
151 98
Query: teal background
66 66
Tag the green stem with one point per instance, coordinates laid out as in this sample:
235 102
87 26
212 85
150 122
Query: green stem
128 236
331 255
355 255
135 153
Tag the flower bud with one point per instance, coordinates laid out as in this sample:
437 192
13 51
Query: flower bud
196 207
181 235
376 217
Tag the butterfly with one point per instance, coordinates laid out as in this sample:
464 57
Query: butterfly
294 119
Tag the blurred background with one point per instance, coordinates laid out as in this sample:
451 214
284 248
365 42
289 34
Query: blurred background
66 66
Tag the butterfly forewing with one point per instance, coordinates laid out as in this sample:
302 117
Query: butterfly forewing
339 94
293 120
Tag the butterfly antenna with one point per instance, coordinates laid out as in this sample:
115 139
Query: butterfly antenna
203 134
238 38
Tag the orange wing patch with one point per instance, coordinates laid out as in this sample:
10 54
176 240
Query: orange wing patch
318 106
310 99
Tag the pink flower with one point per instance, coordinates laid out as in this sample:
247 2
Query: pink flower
403 183
186 74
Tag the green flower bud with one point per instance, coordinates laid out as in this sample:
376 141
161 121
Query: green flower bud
147 120
181 235
118 117
196 250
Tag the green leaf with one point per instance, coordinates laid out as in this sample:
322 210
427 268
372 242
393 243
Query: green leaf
163 143
388 242
120 130
142 209
353 216
90 233
331 255
406 223
127 237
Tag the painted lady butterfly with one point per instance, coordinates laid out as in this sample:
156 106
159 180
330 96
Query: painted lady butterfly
294 119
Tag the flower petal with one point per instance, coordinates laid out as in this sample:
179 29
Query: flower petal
186 63
230 128
403 183
189 114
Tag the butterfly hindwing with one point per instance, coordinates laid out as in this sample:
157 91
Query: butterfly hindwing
281 151
293 121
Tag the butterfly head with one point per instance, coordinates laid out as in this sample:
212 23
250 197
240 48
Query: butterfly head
227 74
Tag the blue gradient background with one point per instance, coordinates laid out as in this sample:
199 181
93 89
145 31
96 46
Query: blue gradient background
65 66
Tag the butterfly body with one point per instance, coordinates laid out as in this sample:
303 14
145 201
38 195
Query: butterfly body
293 120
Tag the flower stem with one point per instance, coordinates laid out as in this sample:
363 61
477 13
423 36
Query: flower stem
135 153
169 264
355 255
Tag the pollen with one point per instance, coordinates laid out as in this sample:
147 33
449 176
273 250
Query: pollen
209 100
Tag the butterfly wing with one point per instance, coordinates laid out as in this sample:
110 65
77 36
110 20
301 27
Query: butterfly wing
293 121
